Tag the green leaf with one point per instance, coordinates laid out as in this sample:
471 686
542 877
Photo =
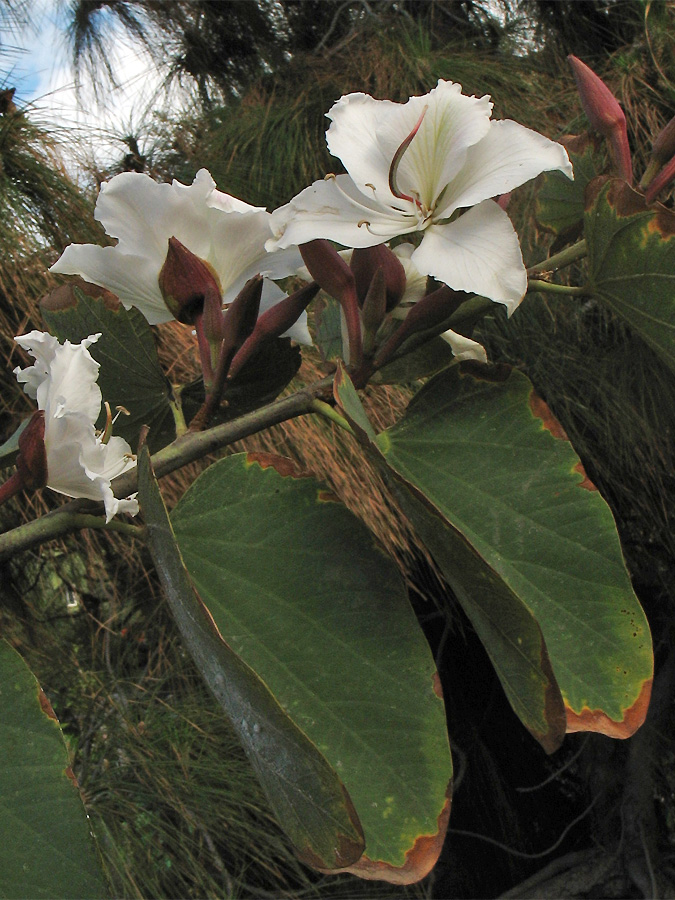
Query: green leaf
305 793
559 204
508 630
631 255
328 328
47 849
347 397
260 381
295 583
421 362
130 374
479 452
10 449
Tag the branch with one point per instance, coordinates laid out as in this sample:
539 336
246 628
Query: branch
185 449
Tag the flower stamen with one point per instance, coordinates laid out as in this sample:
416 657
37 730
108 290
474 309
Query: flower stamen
396 161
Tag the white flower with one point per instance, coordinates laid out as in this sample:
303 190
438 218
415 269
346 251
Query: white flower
63 381
227 233
413 167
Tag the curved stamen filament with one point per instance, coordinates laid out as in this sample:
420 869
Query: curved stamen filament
396 161
352 200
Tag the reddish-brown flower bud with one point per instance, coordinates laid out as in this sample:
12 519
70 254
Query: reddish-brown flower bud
31 463
604 114
364 264
665 177
428 313
332 273
374 310
274 322
190 287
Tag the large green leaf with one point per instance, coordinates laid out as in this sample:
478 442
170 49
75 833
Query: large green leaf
507 628
480 455
46 846
631 254
130 374
298 588
305 792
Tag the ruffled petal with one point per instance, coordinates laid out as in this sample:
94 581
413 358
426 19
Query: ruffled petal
478 253
43 347
508 156
336 210
71 386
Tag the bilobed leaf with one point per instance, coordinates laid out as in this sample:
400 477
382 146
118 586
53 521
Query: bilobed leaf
130 373
304 791
297 587
47 849
481 455
507 628
631 257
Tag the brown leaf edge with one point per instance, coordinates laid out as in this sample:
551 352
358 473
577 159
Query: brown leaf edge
420 858
541 410
598 721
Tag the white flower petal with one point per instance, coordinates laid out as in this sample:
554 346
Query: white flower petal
64 382
463 347
453 123
508 156
415 281
336 210
478 253
131 277
366 133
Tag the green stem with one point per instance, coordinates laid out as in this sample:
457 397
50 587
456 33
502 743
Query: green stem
559 260
551 288
329 412
176 406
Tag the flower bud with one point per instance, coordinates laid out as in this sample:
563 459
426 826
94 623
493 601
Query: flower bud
190 287
31 463
364 264
374 309
663 152
428 313
662 180
241 316
274 322
332 273
604 114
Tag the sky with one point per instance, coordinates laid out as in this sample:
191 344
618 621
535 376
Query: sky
37 61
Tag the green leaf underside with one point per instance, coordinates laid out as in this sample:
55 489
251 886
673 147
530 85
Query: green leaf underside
130 373
296 585
46 849
631 252
306 794
506 627
347 397
481 457
559 204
